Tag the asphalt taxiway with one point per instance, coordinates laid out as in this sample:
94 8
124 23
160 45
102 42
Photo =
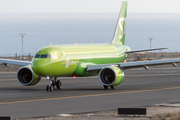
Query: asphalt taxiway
139 88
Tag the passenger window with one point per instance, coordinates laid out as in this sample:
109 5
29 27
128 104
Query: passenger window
44 56
37 56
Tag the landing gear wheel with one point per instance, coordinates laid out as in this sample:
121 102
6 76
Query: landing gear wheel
51 88
112 87
47 88
53 85
105 87
58 84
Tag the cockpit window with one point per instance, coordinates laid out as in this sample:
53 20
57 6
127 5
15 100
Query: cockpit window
37 56
51 56
44 56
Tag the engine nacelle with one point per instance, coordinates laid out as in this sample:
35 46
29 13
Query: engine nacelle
27 77
111 76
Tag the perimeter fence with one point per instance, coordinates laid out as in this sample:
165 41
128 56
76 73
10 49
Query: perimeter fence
26 56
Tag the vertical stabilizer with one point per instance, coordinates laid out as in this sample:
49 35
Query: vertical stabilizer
119 35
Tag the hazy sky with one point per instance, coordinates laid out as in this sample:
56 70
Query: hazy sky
59 6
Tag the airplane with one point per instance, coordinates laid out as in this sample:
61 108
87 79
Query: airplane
104 60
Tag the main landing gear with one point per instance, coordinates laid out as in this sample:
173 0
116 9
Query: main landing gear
106 87
52 83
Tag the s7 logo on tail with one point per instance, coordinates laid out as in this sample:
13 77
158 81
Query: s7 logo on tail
121 27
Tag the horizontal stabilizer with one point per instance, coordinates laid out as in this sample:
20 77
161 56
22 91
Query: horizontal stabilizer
133 51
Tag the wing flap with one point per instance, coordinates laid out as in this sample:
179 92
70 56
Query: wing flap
148 63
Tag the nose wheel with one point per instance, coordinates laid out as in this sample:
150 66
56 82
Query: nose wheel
49 88
53 83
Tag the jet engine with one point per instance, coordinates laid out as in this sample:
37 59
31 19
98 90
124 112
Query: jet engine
111 76
27 77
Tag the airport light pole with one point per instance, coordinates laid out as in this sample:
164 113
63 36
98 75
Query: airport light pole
22 35
150 38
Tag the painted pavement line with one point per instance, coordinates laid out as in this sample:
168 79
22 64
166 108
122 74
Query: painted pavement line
95 95
121 85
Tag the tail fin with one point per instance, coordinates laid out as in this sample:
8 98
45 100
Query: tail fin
119 35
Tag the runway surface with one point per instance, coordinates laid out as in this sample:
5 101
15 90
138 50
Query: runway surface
139 88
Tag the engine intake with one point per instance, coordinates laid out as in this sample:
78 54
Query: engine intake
26 76
111 76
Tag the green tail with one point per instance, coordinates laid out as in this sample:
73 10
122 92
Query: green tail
119 36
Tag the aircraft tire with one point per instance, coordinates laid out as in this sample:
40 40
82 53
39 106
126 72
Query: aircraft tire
105 87
51 88
47 88
112 87
58 84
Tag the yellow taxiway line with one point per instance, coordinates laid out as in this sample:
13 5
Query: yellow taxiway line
169 88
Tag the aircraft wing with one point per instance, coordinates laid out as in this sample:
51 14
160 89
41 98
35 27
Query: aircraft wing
129 65
15 62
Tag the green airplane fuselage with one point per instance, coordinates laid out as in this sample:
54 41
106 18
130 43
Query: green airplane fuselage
72 60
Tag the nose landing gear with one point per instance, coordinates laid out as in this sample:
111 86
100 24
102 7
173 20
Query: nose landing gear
52 83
